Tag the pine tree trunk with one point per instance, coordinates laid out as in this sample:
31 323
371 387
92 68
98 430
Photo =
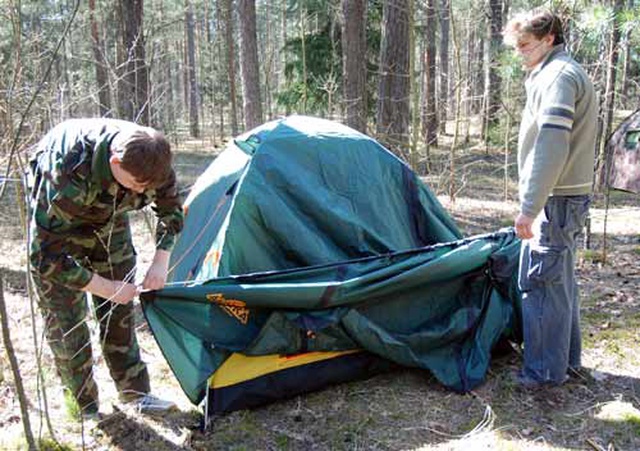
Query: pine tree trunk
414 92
624 83
458 101
220 52
478 71
194 126
283 29
249 67
303 32
133 81
443 91
269 59
354 69
102 77
227 11
604 154
430 116
169 104
393 88
184 72
493 81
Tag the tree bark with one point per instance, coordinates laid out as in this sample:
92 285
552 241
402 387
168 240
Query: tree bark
477 86
443 92
393 88
102 77
170 103
270 66
227 11
303 31
430 115
492 76
283 28
458 105
249 67
624 83
134 77
194 126
354 63
604 154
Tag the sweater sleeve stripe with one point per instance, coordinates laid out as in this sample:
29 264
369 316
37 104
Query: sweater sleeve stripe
563 127
558 110
558 117
556 122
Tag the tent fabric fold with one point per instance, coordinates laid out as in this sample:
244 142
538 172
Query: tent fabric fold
305 236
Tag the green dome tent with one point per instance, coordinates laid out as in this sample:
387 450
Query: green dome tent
312 255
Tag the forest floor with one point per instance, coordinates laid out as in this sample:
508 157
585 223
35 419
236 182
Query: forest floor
404 409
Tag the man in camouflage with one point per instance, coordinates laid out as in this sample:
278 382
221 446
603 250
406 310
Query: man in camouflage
86 175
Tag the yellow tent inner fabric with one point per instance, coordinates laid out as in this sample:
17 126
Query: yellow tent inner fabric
239 368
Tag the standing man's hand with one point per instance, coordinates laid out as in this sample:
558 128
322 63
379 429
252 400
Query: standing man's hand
156 276
523 225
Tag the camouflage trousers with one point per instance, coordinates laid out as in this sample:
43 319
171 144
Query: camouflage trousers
109 253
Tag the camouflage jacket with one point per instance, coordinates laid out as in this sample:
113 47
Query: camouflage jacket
74 196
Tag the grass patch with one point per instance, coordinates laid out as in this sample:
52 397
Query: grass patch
71 407
623 416
591 255
47 444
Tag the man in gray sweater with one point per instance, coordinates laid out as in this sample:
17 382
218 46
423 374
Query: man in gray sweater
556 148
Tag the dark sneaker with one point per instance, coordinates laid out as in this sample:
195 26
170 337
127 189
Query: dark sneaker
525 382
581 374
528 383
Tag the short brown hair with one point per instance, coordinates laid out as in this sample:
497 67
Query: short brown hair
146 155
538 22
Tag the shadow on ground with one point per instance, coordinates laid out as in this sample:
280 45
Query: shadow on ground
408 409
14 281
130 431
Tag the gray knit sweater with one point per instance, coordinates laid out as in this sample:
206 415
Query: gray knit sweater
556 144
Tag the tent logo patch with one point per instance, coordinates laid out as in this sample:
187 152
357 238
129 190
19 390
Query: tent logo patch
233 307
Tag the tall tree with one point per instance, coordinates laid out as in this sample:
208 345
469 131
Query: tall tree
314 64
626 40
604 157
443 92
392 118
102 77
477 62
430 116
492 80
133 80
191 70
227 19
354 67
219 31
302 15
269 61
457 103
249 68
283 28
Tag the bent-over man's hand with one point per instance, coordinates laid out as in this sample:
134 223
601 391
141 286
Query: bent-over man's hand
523 225
156 276
114 290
